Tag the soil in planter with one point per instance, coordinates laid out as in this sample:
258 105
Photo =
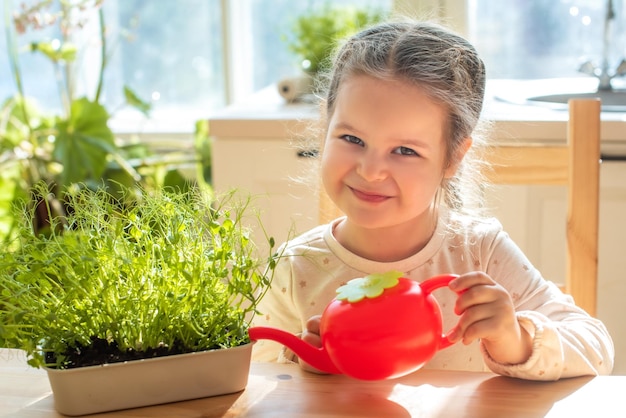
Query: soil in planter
101 351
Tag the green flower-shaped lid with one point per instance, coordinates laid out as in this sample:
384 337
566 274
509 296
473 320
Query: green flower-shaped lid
370 286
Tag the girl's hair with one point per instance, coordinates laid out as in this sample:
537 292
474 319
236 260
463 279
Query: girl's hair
446 67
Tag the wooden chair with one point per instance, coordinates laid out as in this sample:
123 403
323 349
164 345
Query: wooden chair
574 164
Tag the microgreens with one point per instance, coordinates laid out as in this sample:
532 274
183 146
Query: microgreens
172 270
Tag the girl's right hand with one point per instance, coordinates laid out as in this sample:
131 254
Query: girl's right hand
312 336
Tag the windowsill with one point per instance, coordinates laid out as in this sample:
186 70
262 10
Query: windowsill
179 120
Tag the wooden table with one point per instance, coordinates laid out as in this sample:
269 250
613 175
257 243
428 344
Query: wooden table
279 390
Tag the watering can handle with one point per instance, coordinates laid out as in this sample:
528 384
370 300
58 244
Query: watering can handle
435 283
316 357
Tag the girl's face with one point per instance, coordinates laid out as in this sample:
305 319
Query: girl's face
384 154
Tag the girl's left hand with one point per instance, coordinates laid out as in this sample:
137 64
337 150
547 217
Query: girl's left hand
487 313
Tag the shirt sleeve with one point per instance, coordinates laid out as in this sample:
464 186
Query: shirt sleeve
567 341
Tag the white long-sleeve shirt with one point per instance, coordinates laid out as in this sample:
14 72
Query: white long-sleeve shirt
566 340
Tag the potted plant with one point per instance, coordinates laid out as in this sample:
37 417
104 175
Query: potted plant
317 32
132 305
71 144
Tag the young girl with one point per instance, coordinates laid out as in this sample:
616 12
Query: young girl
403 103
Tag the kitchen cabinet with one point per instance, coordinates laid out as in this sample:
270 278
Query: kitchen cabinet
275 175
262 147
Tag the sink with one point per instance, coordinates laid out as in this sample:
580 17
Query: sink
612 100
555 93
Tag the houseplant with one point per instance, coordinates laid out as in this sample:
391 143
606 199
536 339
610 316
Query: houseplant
317 32
170 275
72 144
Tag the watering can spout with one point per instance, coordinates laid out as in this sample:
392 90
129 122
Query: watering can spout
316 357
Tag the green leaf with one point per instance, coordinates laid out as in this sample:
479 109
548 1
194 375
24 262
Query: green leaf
56 50
15 114
370 286
83 142
175 181
135 101
10 193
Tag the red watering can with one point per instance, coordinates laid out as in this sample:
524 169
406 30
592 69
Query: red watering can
381 326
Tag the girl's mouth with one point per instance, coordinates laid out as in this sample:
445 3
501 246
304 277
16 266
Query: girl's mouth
368 196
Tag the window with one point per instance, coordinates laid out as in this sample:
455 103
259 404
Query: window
193 56
533 39
188 57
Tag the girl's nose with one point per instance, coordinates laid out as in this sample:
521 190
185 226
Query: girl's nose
372 167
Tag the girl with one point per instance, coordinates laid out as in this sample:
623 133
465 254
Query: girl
402 107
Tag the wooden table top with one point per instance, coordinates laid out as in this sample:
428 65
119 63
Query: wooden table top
283 390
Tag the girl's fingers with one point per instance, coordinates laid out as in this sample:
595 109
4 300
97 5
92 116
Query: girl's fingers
487 312
469 280
313 324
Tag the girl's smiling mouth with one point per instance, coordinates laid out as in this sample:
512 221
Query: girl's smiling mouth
368 196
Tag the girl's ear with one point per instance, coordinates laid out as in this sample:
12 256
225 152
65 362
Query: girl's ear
457 157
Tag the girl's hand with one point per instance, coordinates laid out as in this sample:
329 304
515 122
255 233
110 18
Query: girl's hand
487 313
312 336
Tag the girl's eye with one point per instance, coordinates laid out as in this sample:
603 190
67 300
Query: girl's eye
405 151
352 139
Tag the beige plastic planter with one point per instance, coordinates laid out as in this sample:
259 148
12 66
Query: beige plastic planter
88 390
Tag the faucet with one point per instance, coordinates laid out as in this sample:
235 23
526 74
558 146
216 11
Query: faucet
603 72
